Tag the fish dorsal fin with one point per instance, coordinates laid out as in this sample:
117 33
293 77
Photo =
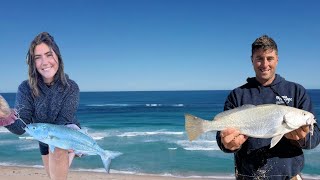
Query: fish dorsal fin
231 111
275 140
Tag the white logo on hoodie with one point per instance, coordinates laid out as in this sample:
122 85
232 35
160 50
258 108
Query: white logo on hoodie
279 100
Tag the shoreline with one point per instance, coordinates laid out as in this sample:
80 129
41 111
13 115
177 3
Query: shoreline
38 173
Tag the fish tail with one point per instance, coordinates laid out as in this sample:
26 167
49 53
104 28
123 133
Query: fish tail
106 163
106 158
195 126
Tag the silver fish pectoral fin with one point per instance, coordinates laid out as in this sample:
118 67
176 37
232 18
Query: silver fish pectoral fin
275 140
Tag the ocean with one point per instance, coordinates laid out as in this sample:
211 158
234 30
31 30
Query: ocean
148 128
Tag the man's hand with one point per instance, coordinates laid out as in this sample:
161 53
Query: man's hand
298 134
232 139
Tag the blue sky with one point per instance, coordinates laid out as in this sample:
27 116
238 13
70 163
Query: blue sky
129 45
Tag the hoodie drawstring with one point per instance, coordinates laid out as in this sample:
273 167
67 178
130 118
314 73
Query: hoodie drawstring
275 92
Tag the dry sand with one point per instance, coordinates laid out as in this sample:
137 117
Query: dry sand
29 173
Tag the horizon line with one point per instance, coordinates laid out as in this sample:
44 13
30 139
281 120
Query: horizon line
87 91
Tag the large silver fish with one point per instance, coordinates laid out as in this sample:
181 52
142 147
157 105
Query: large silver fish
67 138
261 121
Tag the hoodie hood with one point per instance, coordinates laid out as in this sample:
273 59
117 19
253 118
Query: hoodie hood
253 81
57 85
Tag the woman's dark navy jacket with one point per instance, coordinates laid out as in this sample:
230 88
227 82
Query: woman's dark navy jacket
255 159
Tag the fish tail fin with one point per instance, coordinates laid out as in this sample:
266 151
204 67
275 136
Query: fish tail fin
195 126
106 158
106 163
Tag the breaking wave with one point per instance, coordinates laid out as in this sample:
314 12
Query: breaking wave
4 130
133 134
199 145
136 105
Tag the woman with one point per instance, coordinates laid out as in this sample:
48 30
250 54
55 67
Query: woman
48 96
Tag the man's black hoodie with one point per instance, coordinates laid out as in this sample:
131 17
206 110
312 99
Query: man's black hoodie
255 159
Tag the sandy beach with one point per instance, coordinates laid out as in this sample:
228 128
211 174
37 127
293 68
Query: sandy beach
28 173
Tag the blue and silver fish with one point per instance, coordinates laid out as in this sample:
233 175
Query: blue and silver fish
69 139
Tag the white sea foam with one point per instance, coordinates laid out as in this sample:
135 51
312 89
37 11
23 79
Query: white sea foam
226 176
102 105
164 105
97 138
199 148
27 147
137 105
21 165
4 130
26 137
198 145
8 164
98 135
133 134
7 142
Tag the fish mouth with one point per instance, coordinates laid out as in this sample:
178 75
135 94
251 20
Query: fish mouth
26 128
311 121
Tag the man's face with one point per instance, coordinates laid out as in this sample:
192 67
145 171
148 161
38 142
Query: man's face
264 63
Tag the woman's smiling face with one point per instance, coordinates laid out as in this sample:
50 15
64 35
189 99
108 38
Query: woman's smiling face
46 62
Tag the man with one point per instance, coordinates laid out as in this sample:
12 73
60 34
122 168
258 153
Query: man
253 157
